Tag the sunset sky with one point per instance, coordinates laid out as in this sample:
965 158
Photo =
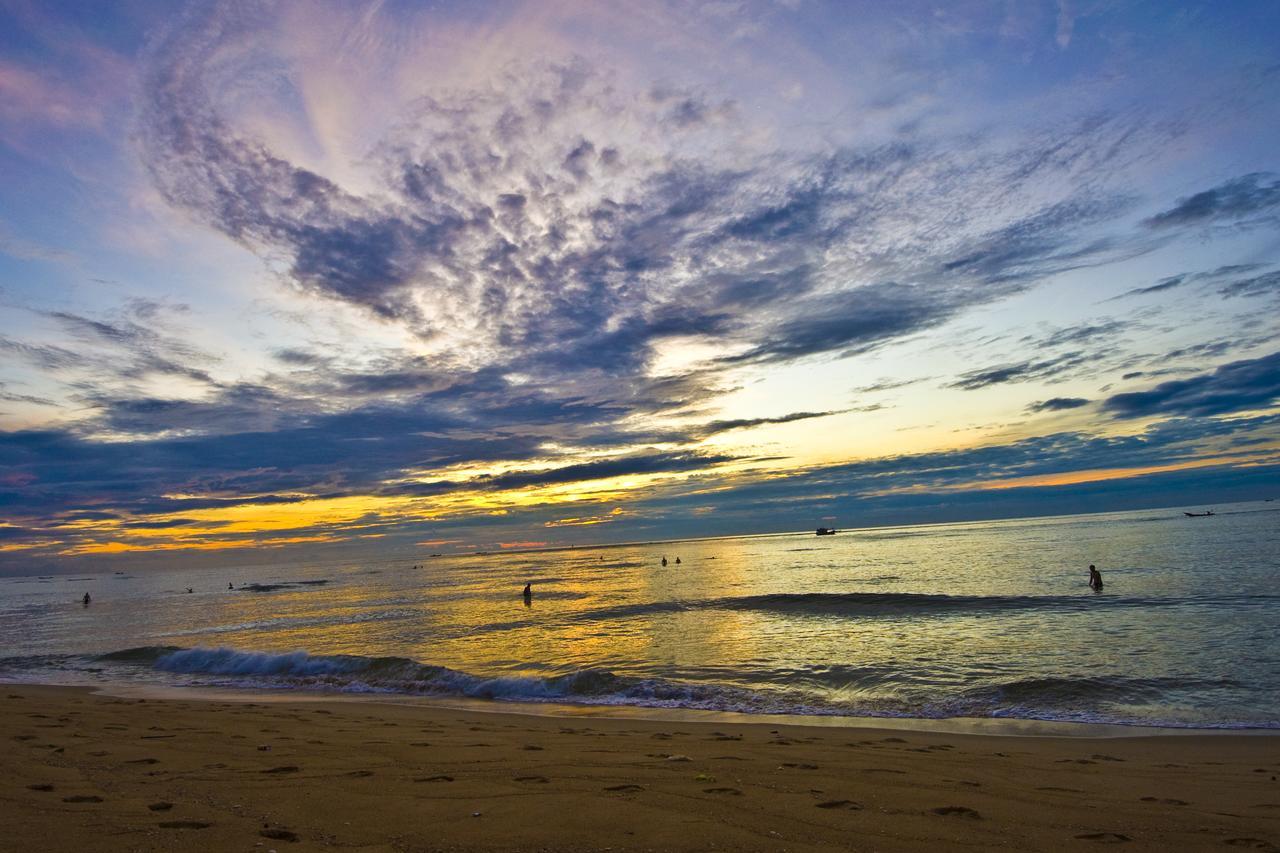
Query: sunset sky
406 277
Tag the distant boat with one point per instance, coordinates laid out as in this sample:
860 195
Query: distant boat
1198 514
826 531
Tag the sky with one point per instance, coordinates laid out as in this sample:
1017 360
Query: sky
291 280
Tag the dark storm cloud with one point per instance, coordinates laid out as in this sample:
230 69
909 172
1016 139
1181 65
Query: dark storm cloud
1023 371
1057 404
1234 199
1234 387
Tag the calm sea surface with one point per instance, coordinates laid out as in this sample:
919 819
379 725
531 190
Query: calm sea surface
963 620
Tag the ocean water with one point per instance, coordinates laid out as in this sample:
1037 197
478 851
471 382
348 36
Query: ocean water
991 619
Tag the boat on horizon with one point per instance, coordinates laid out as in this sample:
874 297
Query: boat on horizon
826 531
1198 514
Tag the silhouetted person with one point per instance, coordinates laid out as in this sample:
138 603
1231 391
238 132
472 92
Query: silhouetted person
528 594
86 599
1095 578
664 561
677 561
231 586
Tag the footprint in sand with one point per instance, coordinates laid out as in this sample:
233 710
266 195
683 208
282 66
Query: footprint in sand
144 761
1251 843
288 768
24 737
625 788
1063 790
847 805
360 774
83 798
434 779
734 792
535 779
1166 801
883 770
957 811
795 766
184 824
279 834
1106 758
1104 837
531 748
420 743
39 787
160 807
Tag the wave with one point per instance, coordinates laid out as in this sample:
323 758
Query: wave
1098 699
871 604
272 587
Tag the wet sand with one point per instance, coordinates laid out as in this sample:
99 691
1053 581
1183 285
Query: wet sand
88 772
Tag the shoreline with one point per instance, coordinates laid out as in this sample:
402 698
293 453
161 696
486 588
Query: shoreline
978 726
975 726
95 772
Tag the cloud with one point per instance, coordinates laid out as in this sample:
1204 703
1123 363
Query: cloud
716 427
551 220
1233 199
1057 404
1023 371
1081 333
646 463
1235 387
1267 284
1160 286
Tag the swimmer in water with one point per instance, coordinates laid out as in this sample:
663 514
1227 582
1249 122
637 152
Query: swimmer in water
1095 578
86 599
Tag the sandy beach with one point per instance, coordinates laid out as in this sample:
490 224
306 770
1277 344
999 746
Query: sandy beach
86 771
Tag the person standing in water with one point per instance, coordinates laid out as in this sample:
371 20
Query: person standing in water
86 599
528 594
1095 578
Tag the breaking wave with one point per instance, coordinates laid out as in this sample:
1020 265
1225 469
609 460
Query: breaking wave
1096 699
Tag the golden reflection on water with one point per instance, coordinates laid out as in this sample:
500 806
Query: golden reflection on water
764 612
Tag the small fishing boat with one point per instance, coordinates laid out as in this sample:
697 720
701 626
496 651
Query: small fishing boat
826 531
1198 514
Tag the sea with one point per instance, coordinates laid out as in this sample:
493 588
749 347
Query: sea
986 620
